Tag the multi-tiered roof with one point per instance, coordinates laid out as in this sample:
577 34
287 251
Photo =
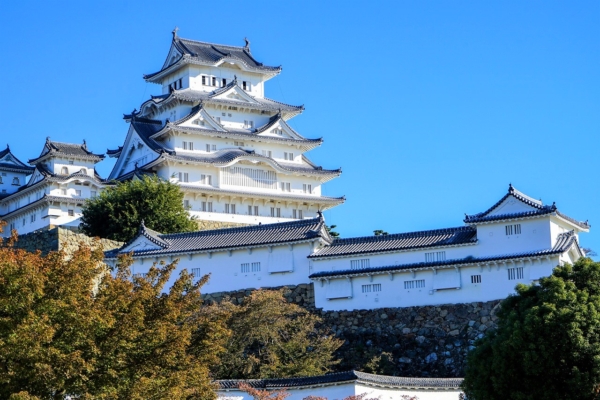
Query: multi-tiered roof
200 107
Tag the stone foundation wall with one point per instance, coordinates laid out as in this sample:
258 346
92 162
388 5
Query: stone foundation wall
208 225
413 341
60 239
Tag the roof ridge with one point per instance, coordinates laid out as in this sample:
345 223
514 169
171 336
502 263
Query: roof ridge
291 224
211 44
408 234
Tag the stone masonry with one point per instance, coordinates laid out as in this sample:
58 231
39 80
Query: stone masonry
60 239
413 341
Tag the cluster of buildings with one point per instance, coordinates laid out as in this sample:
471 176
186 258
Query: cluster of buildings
243 167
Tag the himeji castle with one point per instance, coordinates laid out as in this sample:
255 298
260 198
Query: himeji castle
52 191
230 148
517 240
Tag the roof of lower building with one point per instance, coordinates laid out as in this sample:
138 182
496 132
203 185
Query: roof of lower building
230 238
70 150
563 244
400 241
349 376
204 53
539 210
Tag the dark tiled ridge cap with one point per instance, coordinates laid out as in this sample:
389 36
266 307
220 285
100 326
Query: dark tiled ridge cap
511 192
562 245
279 231
67 149
392 237
349 376
16 168
527 214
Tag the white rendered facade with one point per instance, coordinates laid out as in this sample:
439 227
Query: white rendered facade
518 240
62 179
229 147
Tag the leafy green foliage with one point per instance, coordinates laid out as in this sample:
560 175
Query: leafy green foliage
547 345
118 211
379 232
332 233
271 338
68 327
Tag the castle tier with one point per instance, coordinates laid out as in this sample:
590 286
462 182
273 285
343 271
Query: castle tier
229 147
61 179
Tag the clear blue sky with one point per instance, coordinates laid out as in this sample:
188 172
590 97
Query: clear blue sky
431 108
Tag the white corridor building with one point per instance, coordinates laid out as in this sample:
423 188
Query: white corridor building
517 240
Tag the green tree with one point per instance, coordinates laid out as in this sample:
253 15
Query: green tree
271 338
332 233
547 344
69 327
119 210
379 232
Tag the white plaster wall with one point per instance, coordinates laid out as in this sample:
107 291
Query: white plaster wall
535 235
56 165
394 394
494 285
226 272
228 72
7 186
392 258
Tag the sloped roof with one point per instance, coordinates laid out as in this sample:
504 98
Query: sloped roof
539 209
231 238
20 167
399 241
197 96
79 151
196 52
563 244
349 376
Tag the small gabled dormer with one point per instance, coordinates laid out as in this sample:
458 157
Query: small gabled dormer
13 173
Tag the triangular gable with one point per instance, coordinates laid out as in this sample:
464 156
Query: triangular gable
235 93
9 158
140 243
133 147
172 57
200 119
35 177
511 205
279 129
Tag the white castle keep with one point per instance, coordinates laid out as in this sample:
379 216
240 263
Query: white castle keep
230 148
213 132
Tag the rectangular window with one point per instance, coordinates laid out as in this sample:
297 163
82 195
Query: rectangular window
375 287
252 210
32 217
208 148
244 86
206 206
183 177
415 284
245 268
186 204
267 153
295 214
515 273
359 264
435 256
513 229
229 208
239 144
197 274
218 119
255 267
93 194
204 80
224 83
214 81
70 213
307 188
63 192
214 147
78 193
475 278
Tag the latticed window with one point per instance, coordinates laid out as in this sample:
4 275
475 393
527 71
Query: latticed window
359 264
515 273
250 177
414 284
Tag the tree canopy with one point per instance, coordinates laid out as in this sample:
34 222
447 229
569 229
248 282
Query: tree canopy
547 344
271 338
119 210
67 327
